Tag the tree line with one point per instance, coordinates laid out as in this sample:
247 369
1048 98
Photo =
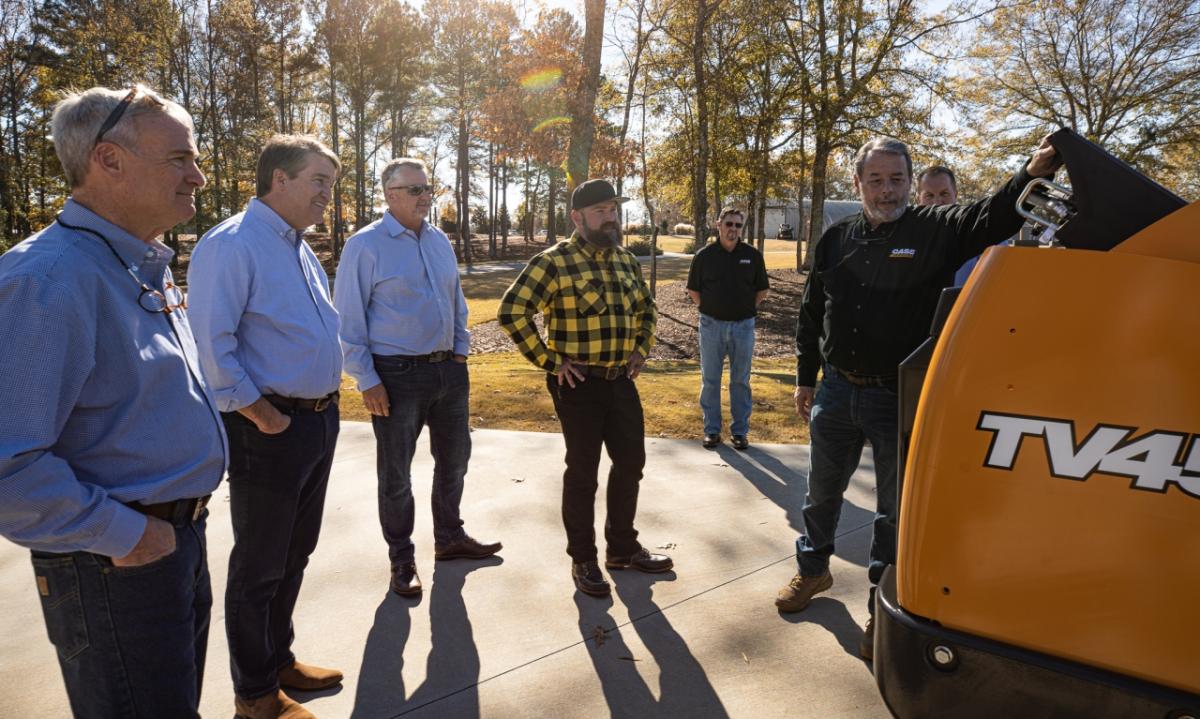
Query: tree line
710 101
767 100
470 81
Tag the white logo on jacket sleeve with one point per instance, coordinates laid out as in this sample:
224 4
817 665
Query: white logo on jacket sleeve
1150 459
903 253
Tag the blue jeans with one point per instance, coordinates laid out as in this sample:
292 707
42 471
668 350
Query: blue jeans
277 488
131 641
843 416
422 393
720 339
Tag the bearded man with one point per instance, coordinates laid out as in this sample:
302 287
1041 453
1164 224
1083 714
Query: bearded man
868 303
600 320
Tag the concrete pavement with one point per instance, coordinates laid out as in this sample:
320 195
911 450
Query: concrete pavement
510 637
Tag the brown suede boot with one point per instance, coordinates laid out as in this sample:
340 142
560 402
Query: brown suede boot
308 678
270 706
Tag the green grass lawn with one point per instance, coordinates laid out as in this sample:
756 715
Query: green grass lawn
509 393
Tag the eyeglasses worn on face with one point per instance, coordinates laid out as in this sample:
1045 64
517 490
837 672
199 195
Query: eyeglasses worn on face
733 224
115 116
413 190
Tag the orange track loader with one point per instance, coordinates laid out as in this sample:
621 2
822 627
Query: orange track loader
1048 559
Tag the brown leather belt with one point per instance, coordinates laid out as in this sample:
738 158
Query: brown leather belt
294 403
180 512
608 373
868 380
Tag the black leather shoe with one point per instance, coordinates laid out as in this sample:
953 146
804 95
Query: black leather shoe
643 561
405 581
589 580
466 548
711 440
740 442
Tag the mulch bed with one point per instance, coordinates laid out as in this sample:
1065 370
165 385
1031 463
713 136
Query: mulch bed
677 316
678 322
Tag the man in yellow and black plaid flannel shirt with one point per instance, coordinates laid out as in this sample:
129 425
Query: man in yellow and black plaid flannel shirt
600 322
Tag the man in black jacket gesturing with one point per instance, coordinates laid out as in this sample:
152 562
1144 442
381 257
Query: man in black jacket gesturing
868 303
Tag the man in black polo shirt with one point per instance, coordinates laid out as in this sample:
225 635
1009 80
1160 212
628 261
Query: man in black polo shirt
728 280
868 303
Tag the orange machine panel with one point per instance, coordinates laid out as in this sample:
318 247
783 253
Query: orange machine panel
1052 492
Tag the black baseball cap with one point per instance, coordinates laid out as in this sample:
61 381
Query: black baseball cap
593 192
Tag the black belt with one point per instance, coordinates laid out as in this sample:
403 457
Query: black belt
431 358
179 513
294 403
608 373
868 380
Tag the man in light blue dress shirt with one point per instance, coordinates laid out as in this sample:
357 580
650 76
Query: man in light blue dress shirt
267 334
110 441
405 338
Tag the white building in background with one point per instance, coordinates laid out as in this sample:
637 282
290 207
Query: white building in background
779 213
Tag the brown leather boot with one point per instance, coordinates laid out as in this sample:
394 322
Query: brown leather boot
270 706
799 592
308 678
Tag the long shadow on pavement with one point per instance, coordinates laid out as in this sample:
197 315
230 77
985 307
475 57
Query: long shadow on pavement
380 690
786 488
452 668
684 688
831 614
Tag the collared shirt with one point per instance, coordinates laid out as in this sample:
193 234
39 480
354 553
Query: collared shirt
398 293
104 404
728 280
261 311
872 293
597 307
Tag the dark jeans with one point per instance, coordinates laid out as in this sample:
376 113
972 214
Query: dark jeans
276 497
421 393
609 413
131 641
843 416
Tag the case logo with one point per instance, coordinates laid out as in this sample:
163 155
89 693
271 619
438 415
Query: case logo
1153 459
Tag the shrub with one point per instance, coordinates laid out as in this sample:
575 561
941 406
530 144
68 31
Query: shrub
683 229
637 228
641 248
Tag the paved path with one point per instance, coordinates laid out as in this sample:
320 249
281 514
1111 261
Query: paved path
510 637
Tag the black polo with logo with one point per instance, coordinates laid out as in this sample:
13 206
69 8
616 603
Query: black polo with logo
728 280
871 294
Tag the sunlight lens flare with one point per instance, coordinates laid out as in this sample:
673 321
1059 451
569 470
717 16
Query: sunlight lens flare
551 122
542 80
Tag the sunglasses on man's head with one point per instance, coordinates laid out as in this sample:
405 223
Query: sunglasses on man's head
115 116
414 190
731 223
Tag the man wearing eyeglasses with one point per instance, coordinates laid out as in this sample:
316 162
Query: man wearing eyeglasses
868 303
110 442
405 338
600 320
727 281
267 334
